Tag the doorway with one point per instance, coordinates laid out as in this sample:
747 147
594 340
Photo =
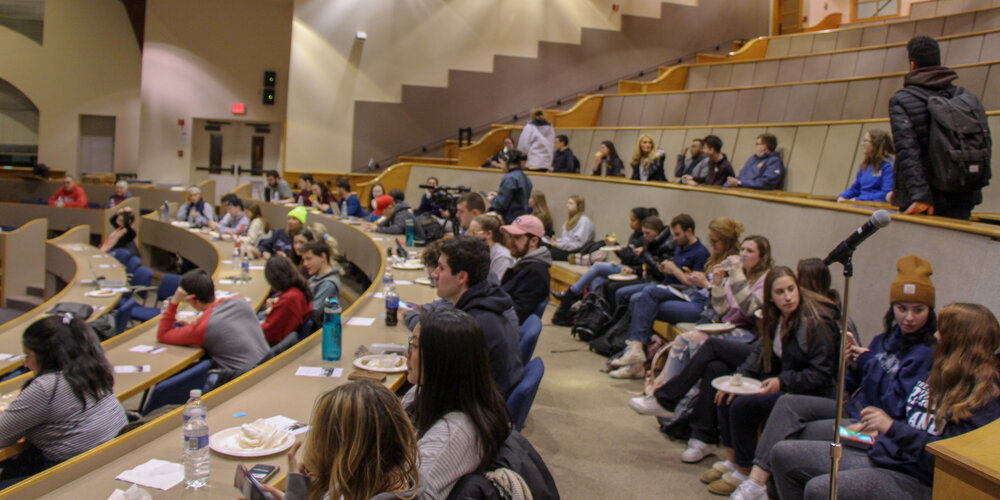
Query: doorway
233 152
787 17
97 144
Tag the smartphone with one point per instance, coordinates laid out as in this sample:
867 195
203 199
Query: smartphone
263 472
856 439
249 486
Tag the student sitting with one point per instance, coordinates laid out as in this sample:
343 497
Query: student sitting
361 445
121 194
607 161
124 233
69 195
235 223
564 161
494 161
874 179
539 207
350 205
961 394
647 163
380 204
376 191
715 170
427 205
196 210
487 228
764 169
695 166
290 303
322 199
304 197
280 242
576 232
68 407
277 189
258 228
460 417
527 282
227 328
396 216
882 375
324 278
429 256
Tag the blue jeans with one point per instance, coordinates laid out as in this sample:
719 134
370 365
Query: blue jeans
595 276
654 302
625 293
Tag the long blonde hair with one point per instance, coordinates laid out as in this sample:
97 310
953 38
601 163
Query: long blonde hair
361 444
882 149
729 232
575 217
964 375
638 156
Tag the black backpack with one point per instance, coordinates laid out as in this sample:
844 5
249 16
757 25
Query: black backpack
433 230
959 144
614 335
594 313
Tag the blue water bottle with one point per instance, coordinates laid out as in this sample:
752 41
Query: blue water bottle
331 330
409 232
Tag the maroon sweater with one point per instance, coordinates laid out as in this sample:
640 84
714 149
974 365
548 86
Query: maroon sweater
287 315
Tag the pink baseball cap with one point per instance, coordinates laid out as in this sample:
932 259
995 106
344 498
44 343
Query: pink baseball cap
526 224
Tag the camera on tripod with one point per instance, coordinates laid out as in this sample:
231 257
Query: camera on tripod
446 197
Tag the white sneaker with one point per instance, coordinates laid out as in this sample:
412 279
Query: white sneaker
630 371
749 490
696 451
633 354
647 405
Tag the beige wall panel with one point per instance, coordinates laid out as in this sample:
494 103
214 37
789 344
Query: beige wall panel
631 111
748 106
801 100
801 45
900 32
896 60
765 73
887 87
582 146
869 62
958 24
824 42
829 101
860 102
777 47
974 78
991 48
674 110
672 141
962 51
697 77
719 76
803 162
929 27
626 141
991 100
842 65
723 107
742 74
773 105
699 105
790 70
816 68
987 20
610 111
652 110
991 193
848 39
835 166
874 35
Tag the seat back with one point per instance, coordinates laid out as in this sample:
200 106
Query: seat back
176 389
168 286
519 402
123 314
121 254
143 276
529 331
133 264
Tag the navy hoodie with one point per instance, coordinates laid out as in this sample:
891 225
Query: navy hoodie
885 377
487 303
904 447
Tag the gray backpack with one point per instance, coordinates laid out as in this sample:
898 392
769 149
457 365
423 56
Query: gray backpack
959 144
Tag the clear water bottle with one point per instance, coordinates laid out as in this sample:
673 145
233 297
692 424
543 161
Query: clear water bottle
195 453
164 212
331 330
409 232
391 305
236 256
343 209
245 268
387 281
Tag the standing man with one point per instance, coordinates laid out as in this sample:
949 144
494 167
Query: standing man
510 200
914 190
693 167
527 282
277 190
69 195
764 169
564 162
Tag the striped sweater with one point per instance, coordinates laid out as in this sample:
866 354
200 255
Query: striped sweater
50 417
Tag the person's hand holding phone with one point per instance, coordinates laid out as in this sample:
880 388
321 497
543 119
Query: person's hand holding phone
873 419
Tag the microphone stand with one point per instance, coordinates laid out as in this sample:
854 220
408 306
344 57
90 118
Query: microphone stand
836 450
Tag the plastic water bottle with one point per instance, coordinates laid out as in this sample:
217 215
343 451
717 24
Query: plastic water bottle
195 453
343 209
245 266
391 305
331 330
409 232
236 256
164 212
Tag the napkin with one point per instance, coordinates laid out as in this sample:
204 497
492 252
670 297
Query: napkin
358 321
260 434
132 493
158 474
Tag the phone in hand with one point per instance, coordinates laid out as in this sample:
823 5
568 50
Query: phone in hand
856 439
249 485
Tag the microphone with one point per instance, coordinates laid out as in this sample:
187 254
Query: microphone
845 249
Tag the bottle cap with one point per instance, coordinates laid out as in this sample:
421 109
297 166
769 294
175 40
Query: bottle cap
195 393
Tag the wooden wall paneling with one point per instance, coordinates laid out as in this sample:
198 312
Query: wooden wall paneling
842 141
842 65
869 62
698 77
676 107
801 45
947 8
991 48
652 110
742 74
887 87
631 110
744 146
860 102
896 60
973 78
929 27
748 105
922 9
991 100
723 107
610 111
987 20
959 24
582 147
790 70
20 250
801 100
765 72
719 76
824 42
815 68
874 35
699 105
728 136
829 101
778 47
625 142
962 51
772 107
900 32
848 39
803 162
672 140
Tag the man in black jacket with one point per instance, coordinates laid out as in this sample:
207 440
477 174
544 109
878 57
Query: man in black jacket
527 281
564 162
461 277
910 122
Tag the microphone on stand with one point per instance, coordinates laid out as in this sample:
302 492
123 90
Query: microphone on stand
845 249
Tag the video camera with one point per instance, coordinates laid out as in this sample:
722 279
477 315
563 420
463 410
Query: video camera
446 197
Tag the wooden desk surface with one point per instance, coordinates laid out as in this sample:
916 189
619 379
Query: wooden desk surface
968 466
261 393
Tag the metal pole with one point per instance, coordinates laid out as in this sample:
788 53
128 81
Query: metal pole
835 446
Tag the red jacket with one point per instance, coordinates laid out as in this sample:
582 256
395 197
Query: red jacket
287 315
74 198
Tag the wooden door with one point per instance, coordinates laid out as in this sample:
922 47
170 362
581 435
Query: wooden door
787 16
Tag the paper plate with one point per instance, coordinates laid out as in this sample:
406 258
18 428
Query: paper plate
181 223
715 327
423 281
393 363
226 442
749 385
101 293
611 249
622 277
410 265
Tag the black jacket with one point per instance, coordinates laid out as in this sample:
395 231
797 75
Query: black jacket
658 250
487 302
512 196
656 172
565 162
627 255
808 364
910 122
518 455
527 282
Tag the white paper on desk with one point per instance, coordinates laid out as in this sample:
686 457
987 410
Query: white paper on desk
133 369
148 349
319 371
379 295
9 357
356 321
227 282
404 282
227 262
221 294
291 425
258 268
101 256
381 239
133 492
105 266
158 474
122 289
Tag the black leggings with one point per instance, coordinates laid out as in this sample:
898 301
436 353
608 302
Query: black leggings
26 464
715 358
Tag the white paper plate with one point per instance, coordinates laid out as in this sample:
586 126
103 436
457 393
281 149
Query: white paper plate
365 362
410 265
181 223
622 277
715 327
749 385
226 442
101 293
423 281
611 249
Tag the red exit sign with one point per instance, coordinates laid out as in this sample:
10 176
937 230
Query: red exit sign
239 108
